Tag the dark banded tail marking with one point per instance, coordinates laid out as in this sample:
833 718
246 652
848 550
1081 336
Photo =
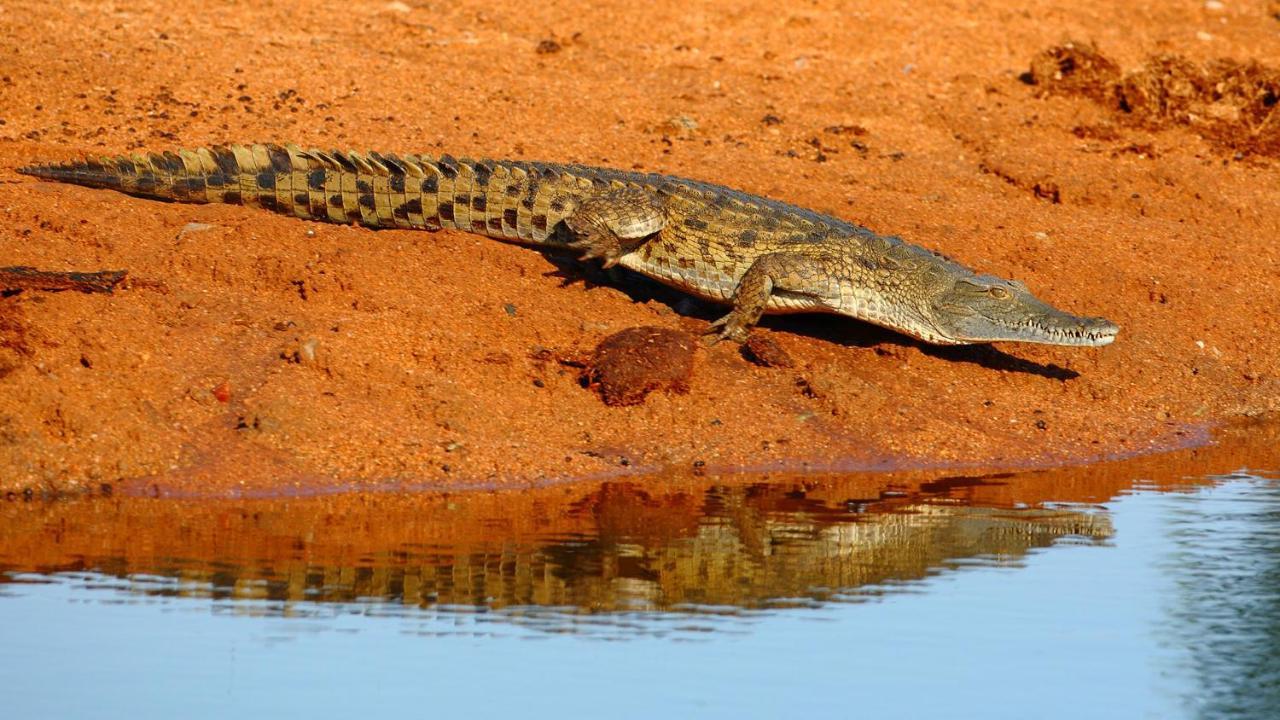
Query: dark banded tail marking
415 173
223 180
331 194
464 186
365 203
430 196
446 187
260 177
168 169
379 196
279 165
513 200
528 186
245 177
317 200
298 168
496 199
397 199
347 177
542 205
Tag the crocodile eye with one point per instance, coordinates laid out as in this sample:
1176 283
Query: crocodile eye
999 293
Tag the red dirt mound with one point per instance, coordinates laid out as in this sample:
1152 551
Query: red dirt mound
1236 105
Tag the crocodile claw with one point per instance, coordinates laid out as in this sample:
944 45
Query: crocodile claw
591 248
729 327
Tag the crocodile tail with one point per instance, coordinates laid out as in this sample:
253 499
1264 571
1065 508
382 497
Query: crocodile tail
203 175
341 187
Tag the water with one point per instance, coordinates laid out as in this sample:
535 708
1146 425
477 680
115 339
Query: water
1149 588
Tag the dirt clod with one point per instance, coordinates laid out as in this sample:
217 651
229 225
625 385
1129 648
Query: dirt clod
1234 105
630 364
1074 68
765 352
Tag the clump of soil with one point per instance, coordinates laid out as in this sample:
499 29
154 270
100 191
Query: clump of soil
1230 103
1234 105
630 364
1075 68
765 352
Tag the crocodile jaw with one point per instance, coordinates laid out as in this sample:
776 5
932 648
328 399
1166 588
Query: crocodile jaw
1058 328
983 309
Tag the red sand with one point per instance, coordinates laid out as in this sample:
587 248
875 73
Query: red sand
254 350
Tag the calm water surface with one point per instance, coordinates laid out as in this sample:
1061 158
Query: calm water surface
1134 591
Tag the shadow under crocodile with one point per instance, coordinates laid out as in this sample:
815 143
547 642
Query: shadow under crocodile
829 328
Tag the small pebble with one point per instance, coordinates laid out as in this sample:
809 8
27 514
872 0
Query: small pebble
684 122
307 351
194 227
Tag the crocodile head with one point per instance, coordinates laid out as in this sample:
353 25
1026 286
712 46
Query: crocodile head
982 308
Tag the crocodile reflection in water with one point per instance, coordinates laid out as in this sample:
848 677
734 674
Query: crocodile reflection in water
619 547
742 556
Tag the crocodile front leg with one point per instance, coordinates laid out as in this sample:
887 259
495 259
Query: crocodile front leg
808 282
615 223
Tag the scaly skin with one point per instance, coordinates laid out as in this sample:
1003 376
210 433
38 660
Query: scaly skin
757 254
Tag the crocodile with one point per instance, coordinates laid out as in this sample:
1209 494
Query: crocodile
753 253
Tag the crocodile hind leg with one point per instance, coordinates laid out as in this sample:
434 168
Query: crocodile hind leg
615 223
795 280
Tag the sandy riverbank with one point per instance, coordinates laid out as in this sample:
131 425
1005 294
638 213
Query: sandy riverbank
256 351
